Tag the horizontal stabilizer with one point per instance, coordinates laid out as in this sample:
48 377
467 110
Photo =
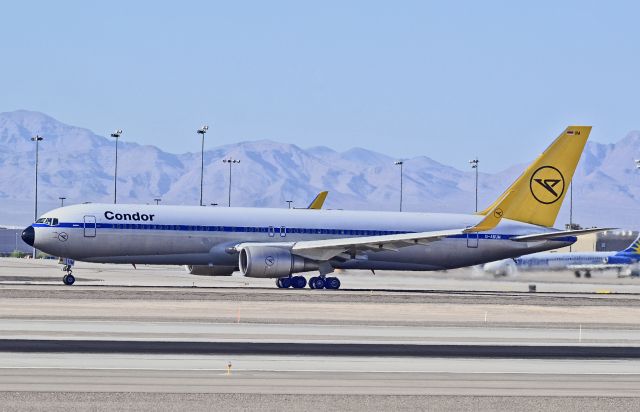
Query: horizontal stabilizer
562 233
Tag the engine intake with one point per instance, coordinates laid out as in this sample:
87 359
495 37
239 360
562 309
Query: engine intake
205 270
272 262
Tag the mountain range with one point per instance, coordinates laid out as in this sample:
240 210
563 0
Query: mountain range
78 164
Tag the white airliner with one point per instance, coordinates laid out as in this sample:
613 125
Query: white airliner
578 262
278 243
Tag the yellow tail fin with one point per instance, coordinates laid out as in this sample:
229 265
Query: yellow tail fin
318 201
536 196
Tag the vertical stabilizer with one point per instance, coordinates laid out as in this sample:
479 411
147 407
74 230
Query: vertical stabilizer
536 196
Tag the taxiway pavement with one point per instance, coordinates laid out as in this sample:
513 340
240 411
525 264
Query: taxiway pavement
114 308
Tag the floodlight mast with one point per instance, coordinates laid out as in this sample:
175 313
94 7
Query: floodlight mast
203 130
230 161
474 165
37 138
116 135
401 164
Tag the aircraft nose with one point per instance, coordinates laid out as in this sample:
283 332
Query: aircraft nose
29 236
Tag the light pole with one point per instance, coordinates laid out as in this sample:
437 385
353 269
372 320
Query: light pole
474 165
231 162
158 200
62 201
289 202
202 131
116 135
37 139
400 163
570 212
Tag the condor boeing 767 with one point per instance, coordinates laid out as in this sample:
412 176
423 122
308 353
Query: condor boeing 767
278 243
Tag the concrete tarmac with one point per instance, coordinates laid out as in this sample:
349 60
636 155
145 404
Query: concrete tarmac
22 271
116 305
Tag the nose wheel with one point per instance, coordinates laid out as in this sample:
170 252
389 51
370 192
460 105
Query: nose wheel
68 279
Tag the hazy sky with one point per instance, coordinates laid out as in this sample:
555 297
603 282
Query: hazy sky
449 80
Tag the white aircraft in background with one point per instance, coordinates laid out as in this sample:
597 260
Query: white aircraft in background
579 262
278 243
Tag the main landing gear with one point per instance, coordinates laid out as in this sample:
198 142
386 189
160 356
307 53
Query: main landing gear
299 282
578 273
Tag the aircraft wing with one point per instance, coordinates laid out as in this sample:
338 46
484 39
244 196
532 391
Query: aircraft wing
560 233
329 248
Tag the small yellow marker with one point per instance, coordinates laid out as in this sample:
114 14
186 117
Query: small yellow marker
229 368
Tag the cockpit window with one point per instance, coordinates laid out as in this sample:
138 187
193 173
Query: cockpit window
49 221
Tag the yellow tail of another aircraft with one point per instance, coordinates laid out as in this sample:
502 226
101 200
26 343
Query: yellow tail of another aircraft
536 196
318 201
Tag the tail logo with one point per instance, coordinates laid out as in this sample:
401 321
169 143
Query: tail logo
547 185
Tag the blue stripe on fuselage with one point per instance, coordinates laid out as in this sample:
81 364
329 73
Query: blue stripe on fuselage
274 230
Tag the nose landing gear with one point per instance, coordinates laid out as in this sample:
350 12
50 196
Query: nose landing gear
68 279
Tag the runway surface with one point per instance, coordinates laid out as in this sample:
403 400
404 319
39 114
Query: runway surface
160 339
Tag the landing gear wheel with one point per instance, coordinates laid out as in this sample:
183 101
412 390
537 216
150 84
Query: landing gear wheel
318 284
68 279
332 283
298 282
279 283
587 274
286 282
312 282
577 273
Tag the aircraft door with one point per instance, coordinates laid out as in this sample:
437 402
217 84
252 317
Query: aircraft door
90 226
472 240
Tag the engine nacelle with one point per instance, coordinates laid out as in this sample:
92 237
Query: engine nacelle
205 270
272 262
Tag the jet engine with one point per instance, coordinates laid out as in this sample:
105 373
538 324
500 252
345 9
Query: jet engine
272 262
205 270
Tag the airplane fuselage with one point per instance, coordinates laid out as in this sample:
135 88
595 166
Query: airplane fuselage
192 235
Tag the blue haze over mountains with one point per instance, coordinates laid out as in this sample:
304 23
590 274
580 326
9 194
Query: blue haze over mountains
78 164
